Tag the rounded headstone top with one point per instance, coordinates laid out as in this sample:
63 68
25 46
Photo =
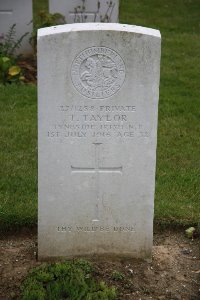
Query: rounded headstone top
97 27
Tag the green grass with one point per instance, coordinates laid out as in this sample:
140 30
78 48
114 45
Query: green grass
178 178
18 156
178 153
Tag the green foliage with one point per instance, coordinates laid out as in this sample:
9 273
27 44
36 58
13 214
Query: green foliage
118 276
9 70
18 153
45 19
190 232
85 265
68 280
8 43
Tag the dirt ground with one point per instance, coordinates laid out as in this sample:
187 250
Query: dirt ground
173 274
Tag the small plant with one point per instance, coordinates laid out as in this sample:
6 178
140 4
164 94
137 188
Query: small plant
68 280
118 276
191 233
85 265
45 19
9 70
128 285
107 17
80 15
8 44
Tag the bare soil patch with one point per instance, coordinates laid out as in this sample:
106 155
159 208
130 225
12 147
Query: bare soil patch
174 272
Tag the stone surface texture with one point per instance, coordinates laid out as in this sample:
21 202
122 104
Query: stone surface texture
98 102
91 11
20 13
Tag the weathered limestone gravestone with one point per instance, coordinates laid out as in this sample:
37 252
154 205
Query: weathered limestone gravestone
77 11
20 13
98 102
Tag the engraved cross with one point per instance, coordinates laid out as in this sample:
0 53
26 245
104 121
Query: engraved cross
97 170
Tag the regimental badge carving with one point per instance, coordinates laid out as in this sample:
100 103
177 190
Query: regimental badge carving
98 72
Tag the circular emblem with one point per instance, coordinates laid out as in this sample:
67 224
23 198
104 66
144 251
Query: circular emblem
98 72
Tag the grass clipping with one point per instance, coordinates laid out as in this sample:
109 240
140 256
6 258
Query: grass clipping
71 280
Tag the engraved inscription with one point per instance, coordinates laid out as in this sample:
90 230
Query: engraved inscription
93 121
94 228
98 72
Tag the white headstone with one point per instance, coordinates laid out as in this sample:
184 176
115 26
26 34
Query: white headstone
98 102
79 11
17 12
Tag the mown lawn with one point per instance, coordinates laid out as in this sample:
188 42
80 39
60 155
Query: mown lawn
18 156
178 154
